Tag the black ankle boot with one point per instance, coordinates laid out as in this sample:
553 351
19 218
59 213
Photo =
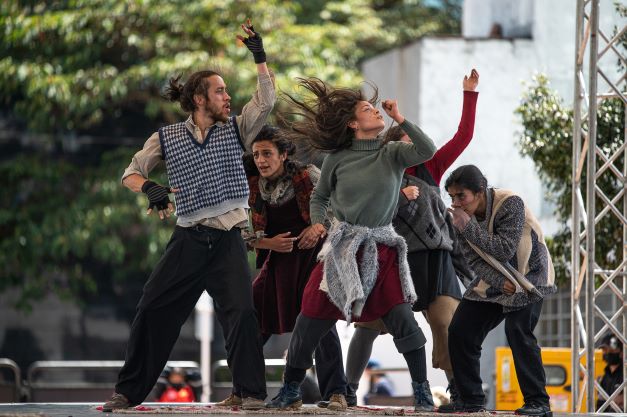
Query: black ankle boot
452 390
460 407
423 400
289 397
535 409
351 394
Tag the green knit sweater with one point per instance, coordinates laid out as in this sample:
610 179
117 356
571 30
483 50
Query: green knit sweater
361 183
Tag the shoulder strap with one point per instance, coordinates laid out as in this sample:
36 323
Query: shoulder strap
233 122
500 195
518 279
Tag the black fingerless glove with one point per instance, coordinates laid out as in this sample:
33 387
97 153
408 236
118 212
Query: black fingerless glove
255 45
157 195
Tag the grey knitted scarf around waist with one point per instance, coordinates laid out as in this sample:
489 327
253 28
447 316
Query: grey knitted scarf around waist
347 283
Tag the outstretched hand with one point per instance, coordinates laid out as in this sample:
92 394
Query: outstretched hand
253 42
471 83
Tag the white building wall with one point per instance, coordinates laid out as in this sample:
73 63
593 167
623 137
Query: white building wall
514 16
493 146
551 27
431 95
554 40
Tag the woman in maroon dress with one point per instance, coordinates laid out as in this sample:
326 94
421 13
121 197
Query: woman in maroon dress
280 189
279 200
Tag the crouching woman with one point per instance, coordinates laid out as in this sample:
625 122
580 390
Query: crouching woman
504 245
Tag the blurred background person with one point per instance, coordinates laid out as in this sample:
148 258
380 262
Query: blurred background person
380 384
177 385
612 376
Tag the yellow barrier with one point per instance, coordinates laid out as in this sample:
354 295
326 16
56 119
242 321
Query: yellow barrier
557 368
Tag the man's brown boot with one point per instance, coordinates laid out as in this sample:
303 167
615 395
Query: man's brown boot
337 402
252 403
231 401
117 402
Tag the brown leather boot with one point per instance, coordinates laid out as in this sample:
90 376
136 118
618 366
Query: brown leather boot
252 403
116 402
337 402
231 401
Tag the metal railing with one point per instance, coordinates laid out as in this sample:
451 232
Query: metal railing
10 392
77 381
222 385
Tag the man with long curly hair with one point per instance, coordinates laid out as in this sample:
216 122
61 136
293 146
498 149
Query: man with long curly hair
203 159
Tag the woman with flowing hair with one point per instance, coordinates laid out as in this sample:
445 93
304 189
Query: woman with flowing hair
422 219
363 274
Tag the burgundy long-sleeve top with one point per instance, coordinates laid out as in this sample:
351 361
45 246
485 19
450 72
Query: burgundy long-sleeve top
450 151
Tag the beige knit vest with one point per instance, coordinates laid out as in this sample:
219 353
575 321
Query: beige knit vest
525 245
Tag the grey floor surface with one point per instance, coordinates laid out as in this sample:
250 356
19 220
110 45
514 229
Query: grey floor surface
89 410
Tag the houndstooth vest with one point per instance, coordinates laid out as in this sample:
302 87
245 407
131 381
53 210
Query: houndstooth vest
210 175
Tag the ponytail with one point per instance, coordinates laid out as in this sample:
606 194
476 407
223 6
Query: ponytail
183 93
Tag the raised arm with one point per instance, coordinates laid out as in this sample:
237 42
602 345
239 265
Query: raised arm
422 147
447 154
256 111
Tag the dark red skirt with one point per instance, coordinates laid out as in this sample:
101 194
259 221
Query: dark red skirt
278 289
387 291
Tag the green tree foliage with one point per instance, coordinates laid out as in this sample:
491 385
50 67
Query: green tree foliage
70 65
65 225
547 138
97 67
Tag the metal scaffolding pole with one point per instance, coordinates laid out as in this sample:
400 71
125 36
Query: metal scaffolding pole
591 201
591 205
576 212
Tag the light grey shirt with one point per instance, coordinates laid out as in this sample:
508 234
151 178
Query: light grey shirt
249 123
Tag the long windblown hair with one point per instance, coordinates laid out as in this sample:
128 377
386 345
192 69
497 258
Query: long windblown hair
322 121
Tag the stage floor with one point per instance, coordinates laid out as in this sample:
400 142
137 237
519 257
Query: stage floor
183 410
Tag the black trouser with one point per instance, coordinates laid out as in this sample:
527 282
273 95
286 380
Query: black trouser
196 259
307 333
471 323
329 364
